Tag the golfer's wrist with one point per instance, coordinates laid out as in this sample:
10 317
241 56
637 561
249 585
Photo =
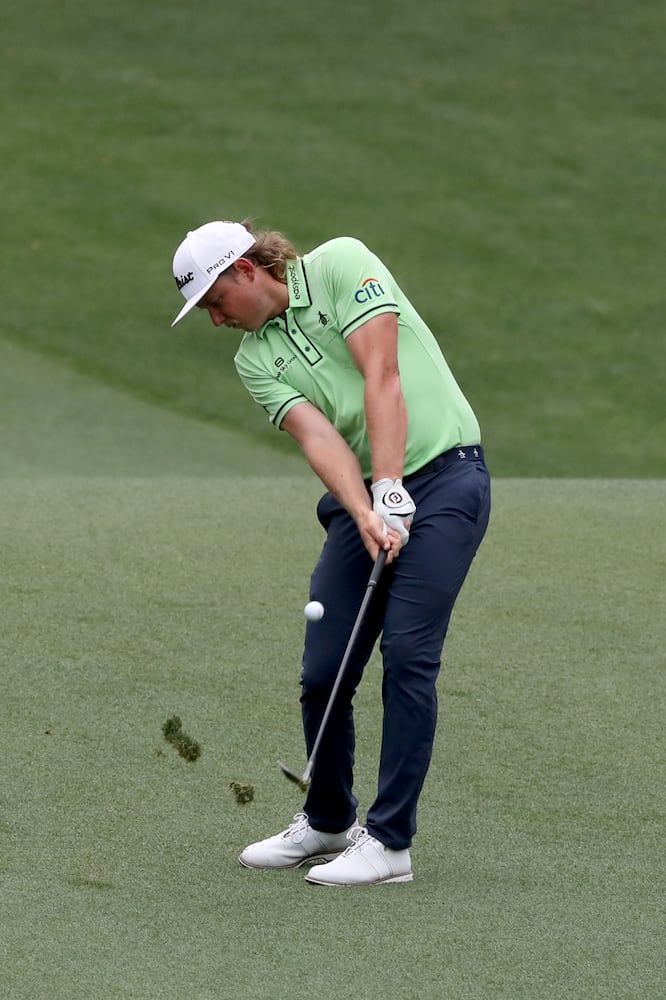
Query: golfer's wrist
365 517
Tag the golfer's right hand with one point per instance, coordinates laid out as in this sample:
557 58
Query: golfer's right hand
376 535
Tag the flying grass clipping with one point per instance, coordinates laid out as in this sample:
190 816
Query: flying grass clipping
190 750
173 733
242 793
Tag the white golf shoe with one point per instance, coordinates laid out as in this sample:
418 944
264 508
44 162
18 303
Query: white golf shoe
365 862
299 844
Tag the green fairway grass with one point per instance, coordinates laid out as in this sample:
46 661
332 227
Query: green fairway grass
538 861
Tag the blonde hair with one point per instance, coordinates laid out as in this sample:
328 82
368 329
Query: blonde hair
271 251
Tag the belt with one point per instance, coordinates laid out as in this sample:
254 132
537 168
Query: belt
464 453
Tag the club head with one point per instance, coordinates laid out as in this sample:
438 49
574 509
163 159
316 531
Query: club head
298 779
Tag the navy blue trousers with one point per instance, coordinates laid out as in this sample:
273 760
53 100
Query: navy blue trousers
410 609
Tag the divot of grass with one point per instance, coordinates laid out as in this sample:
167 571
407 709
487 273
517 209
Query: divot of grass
90 883
242 793
173 733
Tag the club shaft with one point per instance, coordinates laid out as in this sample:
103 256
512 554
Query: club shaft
360 617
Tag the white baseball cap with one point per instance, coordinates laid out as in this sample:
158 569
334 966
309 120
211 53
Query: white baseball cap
203 255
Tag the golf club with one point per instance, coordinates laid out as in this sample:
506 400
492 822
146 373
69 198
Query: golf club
303 780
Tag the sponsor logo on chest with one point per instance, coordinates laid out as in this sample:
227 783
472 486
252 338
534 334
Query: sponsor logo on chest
283 364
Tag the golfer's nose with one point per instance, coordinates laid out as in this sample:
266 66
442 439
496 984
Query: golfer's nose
216 315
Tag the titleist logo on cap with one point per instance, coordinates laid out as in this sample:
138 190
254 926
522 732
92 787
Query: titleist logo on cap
184 279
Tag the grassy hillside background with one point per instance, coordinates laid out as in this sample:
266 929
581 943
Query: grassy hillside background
505 158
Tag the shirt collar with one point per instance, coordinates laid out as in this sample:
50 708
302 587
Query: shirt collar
299 293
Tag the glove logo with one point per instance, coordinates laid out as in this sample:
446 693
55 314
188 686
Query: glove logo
394 498
394 505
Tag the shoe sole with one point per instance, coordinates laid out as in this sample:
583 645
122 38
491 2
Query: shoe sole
310 860
346 885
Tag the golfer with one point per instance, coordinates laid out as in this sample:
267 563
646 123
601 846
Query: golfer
339 358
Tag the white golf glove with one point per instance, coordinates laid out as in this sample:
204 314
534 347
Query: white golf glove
394 505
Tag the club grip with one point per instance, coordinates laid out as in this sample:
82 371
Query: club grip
377 568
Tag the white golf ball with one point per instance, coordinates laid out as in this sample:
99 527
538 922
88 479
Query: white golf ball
314 611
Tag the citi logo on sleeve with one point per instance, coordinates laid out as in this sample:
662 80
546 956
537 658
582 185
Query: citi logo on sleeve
184 279
369 290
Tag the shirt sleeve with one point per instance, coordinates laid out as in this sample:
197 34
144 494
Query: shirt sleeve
276 397
358 283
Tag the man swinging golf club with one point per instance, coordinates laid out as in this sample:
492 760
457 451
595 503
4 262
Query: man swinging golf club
340 359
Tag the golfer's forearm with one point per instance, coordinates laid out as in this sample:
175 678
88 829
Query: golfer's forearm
386 419
330 457
338 468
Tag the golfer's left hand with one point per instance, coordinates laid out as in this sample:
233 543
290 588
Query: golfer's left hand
394 505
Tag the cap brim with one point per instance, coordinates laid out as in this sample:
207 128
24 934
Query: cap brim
190 304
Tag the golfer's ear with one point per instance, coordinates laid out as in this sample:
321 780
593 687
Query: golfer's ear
245 266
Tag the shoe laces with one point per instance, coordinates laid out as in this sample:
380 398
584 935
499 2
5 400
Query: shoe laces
358 836
297 829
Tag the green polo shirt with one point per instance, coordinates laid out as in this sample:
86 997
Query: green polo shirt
302 355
